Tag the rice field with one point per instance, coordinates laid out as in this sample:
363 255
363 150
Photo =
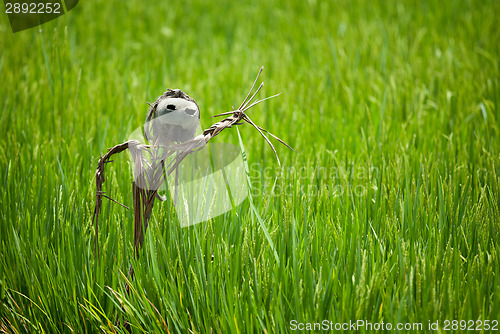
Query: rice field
387 211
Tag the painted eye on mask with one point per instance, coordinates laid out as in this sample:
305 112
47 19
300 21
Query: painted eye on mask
190 111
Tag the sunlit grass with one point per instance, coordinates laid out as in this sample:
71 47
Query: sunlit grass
388 211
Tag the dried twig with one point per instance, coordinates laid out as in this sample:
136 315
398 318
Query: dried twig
99 180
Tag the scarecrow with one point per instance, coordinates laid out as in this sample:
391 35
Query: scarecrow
170 131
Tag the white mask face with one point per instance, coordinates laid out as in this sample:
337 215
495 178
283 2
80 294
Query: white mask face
177 111
176 120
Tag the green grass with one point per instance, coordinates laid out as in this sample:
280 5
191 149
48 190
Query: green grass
388 211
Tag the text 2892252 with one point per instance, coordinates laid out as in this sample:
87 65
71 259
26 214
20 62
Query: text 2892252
33 8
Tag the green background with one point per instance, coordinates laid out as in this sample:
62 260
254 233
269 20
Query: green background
397 101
